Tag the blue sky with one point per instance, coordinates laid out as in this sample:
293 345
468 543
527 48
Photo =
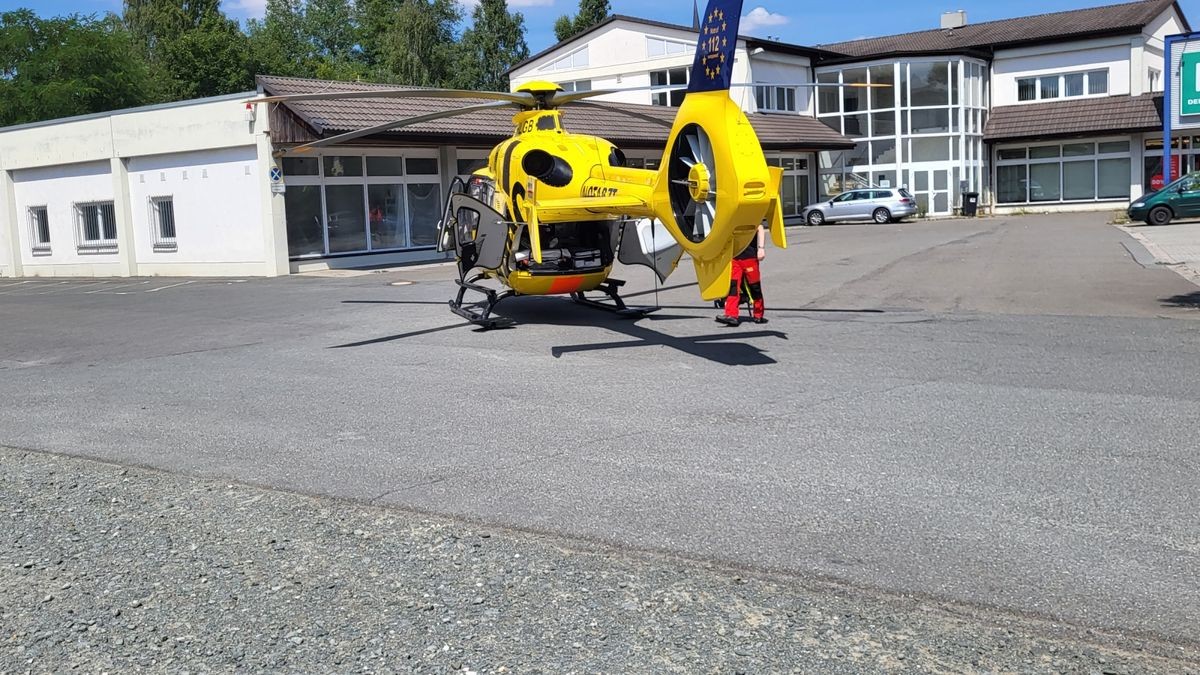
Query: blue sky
802 22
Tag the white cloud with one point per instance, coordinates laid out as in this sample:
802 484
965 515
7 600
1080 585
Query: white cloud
760 18
251 9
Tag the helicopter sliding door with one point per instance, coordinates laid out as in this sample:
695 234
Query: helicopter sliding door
480 233
645 242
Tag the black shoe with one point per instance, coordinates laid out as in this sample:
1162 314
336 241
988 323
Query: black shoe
727 320
761 319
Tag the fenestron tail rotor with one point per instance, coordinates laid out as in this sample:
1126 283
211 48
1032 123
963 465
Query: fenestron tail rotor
692 171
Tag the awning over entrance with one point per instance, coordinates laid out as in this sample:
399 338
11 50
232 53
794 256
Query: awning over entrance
627 125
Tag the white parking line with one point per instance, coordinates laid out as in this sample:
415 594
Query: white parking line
54 288
160 288
15 287
88 285
113 290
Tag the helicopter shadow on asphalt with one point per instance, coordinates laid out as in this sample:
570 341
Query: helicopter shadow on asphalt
729 346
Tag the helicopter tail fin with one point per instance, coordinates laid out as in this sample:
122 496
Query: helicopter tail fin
714 187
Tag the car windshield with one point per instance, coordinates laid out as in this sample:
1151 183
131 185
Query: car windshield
905 193
1188 183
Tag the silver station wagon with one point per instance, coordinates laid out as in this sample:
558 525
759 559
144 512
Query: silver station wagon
882 205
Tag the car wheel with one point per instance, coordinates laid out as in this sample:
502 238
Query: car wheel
881 216
816 218
1159 215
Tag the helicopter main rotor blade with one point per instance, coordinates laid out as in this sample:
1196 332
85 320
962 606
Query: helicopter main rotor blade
395 124
564 99
641 116
520 98
736 85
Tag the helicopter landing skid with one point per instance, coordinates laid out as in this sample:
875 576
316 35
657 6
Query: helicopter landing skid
484 318
617 305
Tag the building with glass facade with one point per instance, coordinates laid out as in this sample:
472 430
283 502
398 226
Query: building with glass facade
1048 112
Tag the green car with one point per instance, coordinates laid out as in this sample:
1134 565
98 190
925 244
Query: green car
1180 199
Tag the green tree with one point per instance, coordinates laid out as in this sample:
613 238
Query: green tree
279 43
374 18
329 24
418 45
209 60
494 43
591 12
195 49
68 66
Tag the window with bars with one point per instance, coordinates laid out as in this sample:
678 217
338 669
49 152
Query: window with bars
39 230
162 223
96 225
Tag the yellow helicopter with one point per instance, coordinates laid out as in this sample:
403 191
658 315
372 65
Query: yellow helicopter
553 210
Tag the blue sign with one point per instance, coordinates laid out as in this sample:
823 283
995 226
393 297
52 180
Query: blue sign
276 174
713 67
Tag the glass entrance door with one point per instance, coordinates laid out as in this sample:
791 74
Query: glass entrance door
931 188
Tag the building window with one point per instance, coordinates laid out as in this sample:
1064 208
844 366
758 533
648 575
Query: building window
39 230
1078 171
1062 85
776 99
363 203
675 79
576 85
96 225
162 223
576 59
660 47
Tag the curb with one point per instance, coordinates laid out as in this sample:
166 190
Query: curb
1189 271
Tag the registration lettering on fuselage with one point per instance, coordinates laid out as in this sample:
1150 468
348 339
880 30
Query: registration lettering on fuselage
599 191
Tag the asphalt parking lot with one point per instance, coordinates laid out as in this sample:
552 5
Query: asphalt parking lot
996 413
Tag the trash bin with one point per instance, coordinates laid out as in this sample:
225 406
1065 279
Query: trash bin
970 204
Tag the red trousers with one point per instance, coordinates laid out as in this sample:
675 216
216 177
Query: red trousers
745 273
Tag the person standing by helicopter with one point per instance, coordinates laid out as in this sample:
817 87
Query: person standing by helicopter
746 271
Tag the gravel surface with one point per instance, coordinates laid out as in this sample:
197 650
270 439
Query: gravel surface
105 568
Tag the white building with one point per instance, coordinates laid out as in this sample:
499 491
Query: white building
171 190
1056 111
195 188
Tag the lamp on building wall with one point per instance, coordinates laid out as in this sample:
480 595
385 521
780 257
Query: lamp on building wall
249 113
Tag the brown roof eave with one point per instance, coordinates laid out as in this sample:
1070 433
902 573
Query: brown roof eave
1074 134
981 54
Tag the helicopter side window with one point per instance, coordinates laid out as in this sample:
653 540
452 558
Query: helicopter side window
547 123
468 225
